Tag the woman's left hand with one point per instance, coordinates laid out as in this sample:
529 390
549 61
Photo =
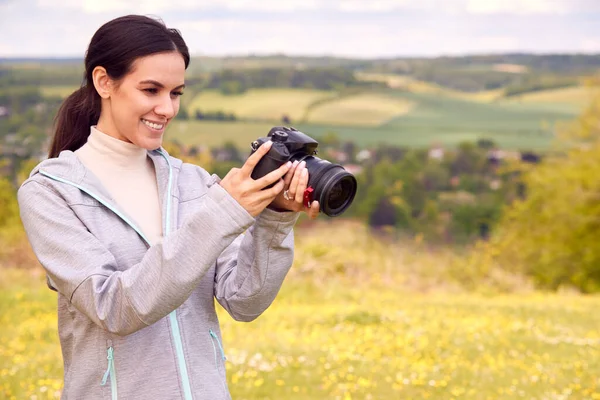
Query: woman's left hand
295 183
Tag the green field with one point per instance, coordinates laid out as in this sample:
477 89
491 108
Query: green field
57 91
262 104
413 114
432 118
572 99
357 318
364 109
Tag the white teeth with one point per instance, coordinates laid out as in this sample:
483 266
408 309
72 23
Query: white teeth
152 124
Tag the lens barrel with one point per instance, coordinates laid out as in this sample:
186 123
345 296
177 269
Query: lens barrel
334 187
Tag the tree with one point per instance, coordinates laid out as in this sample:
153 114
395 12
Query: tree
553 233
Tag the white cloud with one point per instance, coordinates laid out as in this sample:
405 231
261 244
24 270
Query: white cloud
353 6
156 6
517 6
590 45
347 38
373 5
6 49
375 28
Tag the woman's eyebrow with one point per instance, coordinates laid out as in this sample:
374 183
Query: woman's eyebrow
160 85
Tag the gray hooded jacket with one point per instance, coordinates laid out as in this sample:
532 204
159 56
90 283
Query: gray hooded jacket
138 321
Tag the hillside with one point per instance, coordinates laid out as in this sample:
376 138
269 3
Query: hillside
414 115
515 100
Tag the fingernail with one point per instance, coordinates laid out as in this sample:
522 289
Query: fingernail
288 164
303 164
268 143
304 172
295 163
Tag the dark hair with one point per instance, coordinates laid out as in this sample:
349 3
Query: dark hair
115 46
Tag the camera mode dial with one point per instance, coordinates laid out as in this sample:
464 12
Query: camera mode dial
279 136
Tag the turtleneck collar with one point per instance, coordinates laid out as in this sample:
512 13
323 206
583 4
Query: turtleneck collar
122 154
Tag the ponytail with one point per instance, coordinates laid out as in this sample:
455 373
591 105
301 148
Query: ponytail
76 114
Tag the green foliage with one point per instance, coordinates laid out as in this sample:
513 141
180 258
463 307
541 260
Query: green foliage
451 200
182 114
9 209
536 84
214 116
553 233
232 87
231 81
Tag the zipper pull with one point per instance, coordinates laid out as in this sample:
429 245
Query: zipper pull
109 357
219 343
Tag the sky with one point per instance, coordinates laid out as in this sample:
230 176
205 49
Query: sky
344 28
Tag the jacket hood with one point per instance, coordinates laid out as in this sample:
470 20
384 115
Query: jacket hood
66 166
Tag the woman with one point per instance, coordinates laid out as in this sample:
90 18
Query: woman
136 243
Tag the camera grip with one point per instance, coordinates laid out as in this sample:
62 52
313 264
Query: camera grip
276 157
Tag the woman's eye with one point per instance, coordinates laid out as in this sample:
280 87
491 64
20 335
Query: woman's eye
151 90
177 94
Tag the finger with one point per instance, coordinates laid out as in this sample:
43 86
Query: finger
290 174
273 176
302 183
313 211
255 158
269 195
294 183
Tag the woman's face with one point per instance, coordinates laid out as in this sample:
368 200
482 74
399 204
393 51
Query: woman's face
140 105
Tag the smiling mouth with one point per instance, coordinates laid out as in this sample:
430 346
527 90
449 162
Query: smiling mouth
153 125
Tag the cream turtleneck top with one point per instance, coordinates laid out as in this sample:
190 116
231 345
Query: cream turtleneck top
128 174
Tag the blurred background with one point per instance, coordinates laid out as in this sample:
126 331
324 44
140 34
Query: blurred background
467 265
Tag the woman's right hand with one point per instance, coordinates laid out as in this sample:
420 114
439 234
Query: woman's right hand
248 192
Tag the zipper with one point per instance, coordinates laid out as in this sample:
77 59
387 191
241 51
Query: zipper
183 372
214 338
110 370
176 331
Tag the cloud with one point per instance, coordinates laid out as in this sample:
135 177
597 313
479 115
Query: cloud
375 28
6 49
366 39
590 45
518 7
157 6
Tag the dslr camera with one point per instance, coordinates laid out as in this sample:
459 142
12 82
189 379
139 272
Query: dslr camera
330 184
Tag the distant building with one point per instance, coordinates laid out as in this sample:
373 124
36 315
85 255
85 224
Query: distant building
530 157
354 169
363 155
436 153
495 156
495 184
338 156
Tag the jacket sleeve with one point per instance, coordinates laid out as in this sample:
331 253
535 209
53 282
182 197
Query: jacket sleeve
250 272
82 269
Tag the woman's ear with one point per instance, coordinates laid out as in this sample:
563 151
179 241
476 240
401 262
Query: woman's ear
102 82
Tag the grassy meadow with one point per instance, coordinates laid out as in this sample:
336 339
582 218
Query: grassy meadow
360 316
261 104
409 113
405 118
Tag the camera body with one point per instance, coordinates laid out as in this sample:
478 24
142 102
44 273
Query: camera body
289 144
328 183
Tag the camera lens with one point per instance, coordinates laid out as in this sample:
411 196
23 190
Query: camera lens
334 187
340 193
